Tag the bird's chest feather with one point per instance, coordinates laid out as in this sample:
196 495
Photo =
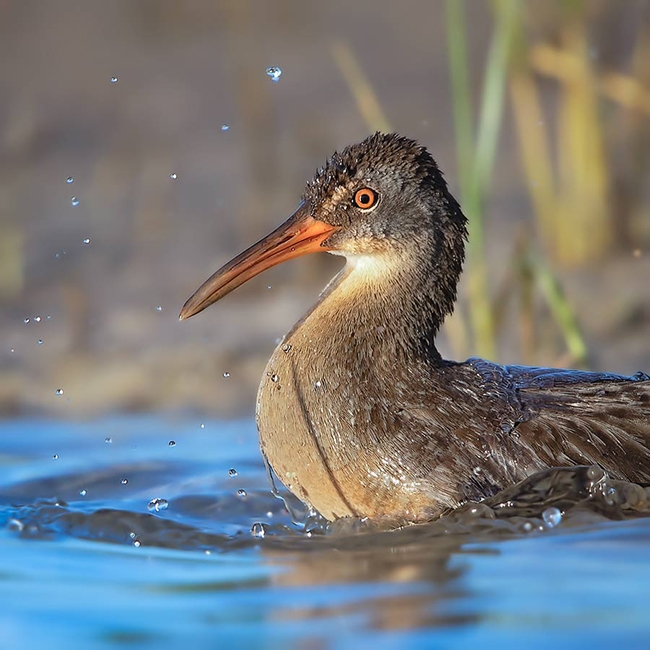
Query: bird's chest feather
332 426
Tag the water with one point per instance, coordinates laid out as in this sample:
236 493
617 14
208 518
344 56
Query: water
84 557
274 73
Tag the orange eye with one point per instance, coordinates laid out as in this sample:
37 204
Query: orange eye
365 198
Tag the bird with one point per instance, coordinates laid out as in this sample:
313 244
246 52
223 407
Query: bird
358 414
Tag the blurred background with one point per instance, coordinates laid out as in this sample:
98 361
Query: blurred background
143 144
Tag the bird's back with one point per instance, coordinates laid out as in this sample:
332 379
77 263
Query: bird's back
575 417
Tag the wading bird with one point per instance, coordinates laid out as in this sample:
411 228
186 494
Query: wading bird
358 414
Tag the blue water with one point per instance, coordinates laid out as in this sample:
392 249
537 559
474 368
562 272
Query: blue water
84 563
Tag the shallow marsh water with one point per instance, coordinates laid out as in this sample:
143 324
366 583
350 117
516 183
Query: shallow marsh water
91 557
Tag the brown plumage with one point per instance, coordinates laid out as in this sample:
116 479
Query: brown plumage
357 412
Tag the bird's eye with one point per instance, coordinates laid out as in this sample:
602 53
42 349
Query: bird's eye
365 198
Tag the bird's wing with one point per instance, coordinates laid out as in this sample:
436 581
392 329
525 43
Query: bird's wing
574 417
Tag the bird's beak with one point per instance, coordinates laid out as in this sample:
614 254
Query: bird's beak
298 235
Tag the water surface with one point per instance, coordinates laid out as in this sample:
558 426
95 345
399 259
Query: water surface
87 561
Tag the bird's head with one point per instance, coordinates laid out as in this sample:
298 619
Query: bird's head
383 198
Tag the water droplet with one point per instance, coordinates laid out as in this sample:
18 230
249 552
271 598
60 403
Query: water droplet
58 391
137 543
12 350
69 180
552 517
74 201
286 347
15 525
527 527
173 176
258 530
83 493
275 379
318 384
274 73
55 457
124 481
226 375
268 286
232 472
114 80
25 320
202 425
87 240
172 443
40 341
48 317
157 504
241 493
477 471
108 441
610 496
37 319
225 127
158 307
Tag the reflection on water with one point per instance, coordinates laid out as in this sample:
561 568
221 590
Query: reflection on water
215 530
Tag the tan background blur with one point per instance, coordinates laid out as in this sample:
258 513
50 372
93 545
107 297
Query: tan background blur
186 68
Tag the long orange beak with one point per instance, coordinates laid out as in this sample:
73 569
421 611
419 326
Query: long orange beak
298 235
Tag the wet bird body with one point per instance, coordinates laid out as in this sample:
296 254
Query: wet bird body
357 412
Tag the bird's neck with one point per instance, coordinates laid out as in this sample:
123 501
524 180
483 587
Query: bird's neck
384 306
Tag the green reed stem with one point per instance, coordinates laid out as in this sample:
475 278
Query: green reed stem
562 311
475 161
460 87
